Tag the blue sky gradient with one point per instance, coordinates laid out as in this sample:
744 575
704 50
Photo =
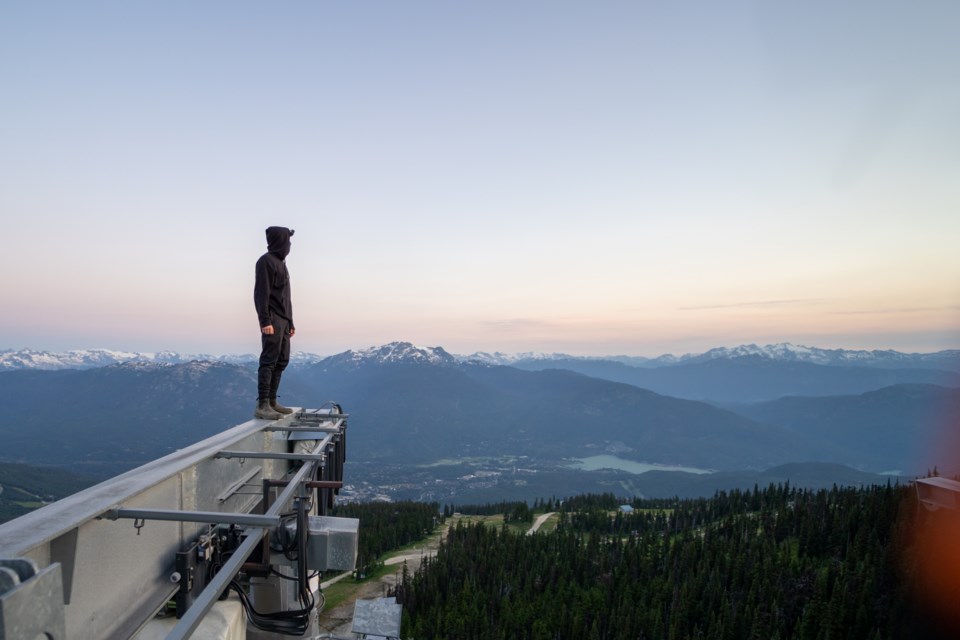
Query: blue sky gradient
593 178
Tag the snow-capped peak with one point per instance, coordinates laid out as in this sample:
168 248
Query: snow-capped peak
780 351
394 353
77 359
785 351
498 357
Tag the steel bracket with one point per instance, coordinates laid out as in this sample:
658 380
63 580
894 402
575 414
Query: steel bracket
31 601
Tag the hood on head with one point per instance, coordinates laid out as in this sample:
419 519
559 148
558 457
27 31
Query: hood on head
278 241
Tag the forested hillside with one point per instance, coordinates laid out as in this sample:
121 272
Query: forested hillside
776 563
24 488
385 526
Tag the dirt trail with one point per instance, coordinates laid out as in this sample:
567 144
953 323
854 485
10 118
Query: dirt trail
539 522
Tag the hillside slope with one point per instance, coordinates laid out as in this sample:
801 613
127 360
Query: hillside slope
748 379
884 429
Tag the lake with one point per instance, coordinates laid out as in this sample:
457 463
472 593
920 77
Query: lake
593 463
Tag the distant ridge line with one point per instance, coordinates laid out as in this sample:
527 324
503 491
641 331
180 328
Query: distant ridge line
400 351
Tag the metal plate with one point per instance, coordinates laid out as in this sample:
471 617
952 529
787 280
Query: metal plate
380 617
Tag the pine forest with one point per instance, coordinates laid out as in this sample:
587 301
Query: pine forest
776 563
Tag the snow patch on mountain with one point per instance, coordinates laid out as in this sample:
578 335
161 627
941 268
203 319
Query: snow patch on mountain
500 358
79 359
392 353
396 352
11 360
785 351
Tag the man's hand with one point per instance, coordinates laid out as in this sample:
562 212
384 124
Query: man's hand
267 330
291 332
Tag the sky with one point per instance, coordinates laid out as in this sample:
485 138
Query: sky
592 178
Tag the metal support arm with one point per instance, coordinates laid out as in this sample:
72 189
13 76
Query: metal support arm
317 457
208 517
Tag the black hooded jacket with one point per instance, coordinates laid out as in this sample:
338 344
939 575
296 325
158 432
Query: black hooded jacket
271 292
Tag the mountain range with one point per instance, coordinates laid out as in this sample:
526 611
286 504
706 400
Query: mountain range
749 378
893 425
415 406
784 352
20 359
424 412
109 419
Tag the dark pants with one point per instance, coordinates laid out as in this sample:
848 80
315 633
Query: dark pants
274 358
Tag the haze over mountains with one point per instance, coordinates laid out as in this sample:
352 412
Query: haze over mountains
784 351
11 359
750 378
423 410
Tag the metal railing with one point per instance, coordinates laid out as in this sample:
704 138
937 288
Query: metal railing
114 577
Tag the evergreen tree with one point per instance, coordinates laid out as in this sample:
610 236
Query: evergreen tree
774 562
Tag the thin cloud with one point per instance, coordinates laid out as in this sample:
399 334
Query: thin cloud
870 312
758 303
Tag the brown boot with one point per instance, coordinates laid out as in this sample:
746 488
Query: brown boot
265 412
279 408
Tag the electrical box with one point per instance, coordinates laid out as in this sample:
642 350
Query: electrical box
332 544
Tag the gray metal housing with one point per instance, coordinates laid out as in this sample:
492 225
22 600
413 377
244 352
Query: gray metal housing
117 573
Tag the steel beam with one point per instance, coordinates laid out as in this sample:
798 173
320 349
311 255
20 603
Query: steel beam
188 488
194 615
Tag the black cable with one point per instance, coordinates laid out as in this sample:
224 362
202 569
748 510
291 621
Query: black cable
280 575
295 622
303 532
286 577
